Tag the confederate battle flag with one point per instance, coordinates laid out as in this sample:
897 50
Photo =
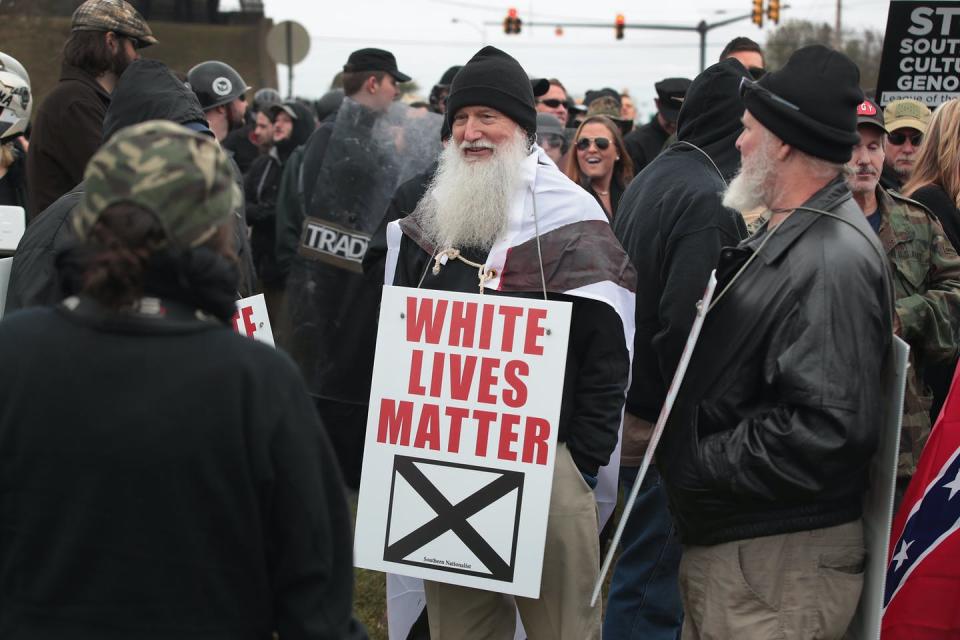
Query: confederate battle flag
922 594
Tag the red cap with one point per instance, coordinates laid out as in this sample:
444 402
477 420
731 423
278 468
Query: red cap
869 113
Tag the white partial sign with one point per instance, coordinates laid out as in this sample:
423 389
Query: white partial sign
461 438
251 319
13 222
5 266
878 502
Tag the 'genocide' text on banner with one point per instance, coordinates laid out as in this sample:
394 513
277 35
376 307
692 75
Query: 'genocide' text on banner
921 52
461 438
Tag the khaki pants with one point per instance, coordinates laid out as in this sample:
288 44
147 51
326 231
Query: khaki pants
571 564
801 585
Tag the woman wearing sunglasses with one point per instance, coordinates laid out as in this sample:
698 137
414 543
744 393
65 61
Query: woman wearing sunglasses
935 179
601 164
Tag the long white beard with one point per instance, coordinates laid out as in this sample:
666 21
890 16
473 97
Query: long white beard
468 202
751 188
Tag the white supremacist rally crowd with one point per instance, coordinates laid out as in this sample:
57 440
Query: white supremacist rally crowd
163 477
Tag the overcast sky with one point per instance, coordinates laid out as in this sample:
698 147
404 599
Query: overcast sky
422 35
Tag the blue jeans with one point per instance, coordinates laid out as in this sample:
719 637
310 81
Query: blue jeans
644 600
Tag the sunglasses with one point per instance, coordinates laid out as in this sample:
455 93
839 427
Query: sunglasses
553 103
749 86
602 143
899 138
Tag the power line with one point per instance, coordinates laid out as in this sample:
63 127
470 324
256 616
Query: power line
517 43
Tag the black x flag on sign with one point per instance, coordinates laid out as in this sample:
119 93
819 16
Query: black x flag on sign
457 518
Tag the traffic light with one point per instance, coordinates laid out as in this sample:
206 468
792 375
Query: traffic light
512 23
757 17
773 11
618 25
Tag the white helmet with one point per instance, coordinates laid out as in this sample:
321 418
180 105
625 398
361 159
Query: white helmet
16 101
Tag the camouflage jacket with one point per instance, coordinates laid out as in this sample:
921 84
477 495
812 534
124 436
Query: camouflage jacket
926 277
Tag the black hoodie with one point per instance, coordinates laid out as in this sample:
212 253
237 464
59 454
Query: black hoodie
148 90
672 224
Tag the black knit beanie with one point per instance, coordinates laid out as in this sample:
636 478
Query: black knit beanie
494 79
813 105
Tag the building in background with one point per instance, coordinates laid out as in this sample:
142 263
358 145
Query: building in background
190 31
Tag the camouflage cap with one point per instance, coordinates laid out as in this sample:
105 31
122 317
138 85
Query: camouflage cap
183 178
906 113
118 16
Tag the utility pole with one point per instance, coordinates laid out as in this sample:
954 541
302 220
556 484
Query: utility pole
837 27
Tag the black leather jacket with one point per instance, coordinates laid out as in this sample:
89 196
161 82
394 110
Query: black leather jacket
778 416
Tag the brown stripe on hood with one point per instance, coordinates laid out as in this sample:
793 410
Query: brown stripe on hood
412 229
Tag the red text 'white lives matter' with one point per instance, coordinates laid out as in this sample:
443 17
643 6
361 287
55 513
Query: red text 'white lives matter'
486 383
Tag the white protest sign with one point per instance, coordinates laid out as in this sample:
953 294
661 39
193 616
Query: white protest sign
461 438
251 319
5 266
878 502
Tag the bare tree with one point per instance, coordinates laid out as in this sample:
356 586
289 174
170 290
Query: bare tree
864 47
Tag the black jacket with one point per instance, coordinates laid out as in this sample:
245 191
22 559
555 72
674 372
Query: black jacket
163 479
244 151
146 91
33 275
673 227
645 143
67 129
616 193
776 421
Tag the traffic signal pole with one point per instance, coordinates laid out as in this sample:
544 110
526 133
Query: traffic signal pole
702 28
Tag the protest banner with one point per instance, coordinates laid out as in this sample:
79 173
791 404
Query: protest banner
252 320
461 438
921 52
878 502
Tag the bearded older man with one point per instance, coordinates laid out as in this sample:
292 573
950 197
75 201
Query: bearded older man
499 207
765 457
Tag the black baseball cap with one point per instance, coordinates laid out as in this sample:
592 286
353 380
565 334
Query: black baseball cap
371 59
540 86
286 107
869 113
671 92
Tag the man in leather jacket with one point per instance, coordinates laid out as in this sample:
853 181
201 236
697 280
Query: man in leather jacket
765 457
